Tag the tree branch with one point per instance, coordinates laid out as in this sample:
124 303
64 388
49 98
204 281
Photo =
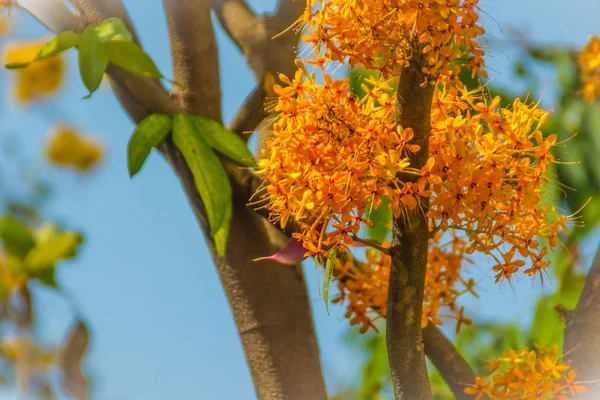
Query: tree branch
582 333
269 302
95 11
409 258
195 57
454 369
239 21
253 35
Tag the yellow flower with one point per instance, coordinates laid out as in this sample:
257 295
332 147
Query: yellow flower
39 79
67 148
589 61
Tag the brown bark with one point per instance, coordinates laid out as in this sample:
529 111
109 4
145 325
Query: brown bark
457 373
582 334
409 255
269 301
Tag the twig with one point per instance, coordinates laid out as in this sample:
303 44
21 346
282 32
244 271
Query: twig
582 334
454 369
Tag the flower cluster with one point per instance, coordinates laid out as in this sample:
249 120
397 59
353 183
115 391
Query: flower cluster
589 62
363 286
384 35
332 158
527 374
67 148
38 80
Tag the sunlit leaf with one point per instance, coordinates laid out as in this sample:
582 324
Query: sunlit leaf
113 28
93 58
132 58
223 232
224 141
61 42
147 135
209 176
46 254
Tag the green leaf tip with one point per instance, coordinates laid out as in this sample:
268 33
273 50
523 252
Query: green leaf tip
58 44
147 135
224 141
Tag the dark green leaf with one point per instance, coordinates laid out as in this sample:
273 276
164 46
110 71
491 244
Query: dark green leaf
61 42
223 232
93 58
131 57
209 176
16 236
45 254
329 265
113 28
224 141
148 134
47 276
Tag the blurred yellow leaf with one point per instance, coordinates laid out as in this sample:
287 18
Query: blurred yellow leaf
66 148
37 80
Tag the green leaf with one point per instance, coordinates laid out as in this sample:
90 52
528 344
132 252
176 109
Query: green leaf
381 218
223 232
547 328
93 58
224 141
61 42
16 236
148 134
46 254
209 176
132 58
113 28
47 276
328 272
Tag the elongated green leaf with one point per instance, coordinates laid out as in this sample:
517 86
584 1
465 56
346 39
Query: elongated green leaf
93 58
46 254
16 236
327 280
209 176
148 134
131 57
113 28
61 42
224 141
223 232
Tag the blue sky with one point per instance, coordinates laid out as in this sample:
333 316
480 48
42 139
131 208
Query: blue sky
144 281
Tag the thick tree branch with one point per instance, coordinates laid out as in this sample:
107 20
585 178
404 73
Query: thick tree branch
582 334
409 258
95 11
195 57
454 369
239 21
269 302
